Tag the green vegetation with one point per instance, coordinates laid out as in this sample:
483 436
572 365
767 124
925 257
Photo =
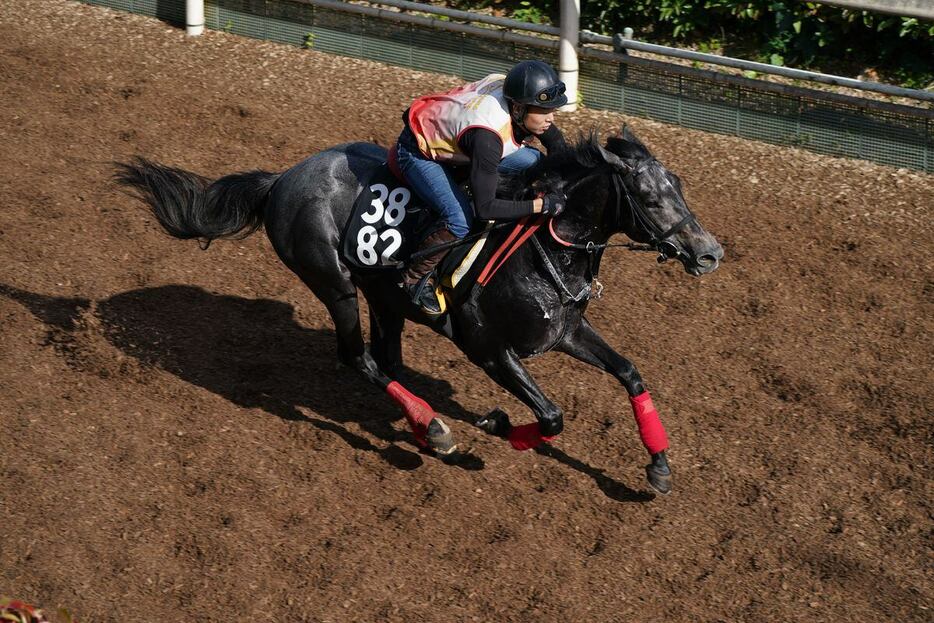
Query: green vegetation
781 32
527 12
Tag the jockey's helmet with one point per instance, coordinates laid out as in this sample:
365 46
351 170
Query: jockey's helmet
534 83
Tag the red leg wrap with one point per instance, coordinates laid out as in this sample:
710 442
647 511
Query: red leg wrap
417 412
650 427
526 437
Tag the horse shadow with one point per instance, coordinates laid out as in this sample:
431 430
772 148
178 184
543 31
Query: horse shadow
253 353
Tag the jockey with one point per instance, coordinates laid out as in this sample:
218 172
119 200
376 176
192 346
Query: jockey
485 125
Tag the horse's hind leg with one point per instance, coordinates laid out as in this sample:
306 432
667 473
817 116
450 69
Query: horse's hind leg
341 301
586 345
386 326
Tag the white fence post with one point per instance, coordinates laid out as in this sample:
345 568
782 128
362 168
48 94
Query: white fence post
194 17
567 52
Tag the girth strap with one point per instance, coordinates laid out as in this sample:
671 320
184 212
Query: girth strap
566 296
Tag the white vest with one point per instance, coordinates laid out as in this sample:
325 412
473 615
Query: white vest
439 120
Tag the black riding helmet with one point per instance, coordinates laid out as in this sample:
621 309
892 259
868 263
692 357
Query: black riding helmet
534 83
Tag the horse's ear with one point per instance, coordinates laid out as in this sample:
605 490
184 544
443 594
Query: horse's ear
628 135
612 159
627 146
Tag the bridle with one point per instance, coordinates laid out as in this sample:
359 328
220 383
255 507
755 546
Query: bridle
658 237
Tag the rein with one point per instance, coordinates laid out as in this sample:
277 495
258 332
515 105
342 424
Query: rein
444 246
658 239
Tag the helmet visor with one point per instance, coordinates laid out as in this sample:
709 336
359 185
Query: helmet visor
551 97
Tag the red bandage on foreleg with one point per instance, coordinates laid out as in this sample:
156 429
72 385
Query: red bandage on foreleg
526 437
650 427
417 412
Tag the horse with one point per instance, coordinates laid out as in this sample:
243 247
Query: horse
534 303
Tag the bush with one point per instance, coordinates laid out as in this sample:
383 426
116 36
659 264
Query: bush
780 32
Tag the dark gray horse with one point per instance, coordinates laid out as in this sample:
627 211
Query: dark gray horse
533 304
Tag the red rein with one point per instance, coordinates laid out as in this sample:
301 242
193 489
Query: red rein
513 242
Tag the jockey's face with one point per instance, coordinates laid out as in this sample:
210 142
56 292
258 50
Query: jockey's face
537 120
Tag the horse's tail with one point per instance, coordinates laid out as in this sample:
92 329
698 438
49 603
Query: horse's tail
188 205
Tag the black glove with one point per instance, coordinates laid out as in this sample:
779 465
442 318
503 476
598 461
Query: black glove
553 204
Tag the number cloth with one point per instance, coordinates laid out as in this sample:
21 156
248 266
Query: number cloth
387 223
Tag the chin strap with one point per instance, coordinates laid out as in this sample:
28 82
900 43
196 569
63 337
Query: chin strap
517 114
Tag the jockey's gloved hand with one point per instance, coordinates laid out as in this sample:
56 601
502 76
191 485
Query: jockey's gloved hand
553 204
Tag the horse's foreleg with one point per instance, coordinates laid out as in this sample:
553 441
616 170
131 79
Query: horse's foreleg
588 346
506 369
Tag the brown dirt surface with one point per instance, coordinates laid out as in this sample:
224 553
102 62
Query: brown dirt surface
177 442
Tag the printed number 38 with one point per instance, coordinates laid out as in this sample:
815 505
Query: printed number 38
392 212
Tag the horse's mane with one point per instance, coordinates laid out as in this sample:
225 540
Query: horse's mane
553 171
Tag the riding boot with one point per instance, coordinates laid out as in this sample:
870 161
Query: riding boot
419 279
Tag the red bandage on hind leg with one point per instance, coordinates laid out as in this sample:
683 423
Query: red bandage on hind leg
417 412
650 427
526 437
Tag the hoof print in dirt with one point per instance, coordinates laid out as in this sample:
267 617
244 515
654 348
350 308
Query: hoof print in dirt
496 423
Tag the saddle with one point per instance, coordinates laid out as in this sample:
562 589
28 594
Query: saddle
389 221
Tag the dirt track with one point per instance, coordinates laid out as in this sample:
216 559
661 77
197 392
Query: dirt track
177 443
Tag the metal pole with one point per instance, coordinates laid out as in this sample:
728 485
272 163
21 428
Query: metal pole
922 9
758 85
405 18
621 42
194 17
467 16
567 52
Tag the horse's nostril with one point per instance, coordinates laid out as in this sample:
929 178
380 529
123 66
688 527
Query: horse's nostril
707 260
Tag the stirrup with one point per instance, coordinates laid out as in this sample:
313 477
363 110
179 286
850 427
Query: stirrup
423 295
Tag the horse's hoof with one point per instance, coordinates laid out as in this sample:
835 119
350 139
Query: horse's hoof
496 423
440 439
659 477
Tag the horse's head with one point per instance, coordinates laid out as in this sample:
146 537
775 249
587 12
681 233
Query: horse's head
646 203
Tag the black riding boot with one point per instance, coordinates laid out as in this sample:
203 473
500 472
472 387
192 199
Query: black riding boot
419 279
